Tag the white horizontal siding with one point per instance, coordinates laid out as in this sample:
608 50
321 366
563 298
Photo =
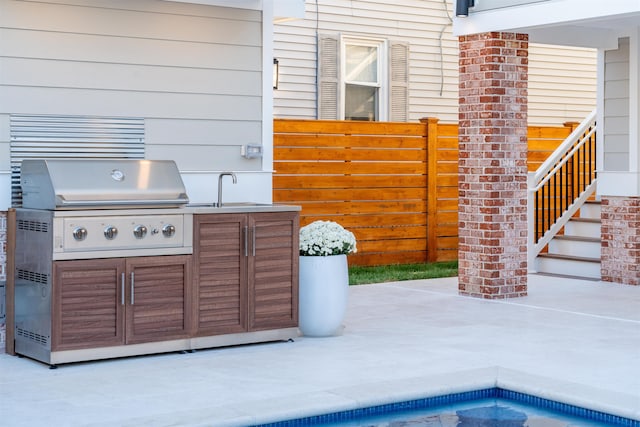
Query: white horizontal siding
562 85
124 20
49 100
616 108
172 64
99 49
129 77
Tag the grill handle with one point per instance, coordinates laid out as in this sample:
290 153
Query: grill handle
62 202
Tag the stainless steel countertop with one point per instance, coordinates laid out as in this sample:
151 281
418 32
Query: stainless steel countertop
195 208
242 207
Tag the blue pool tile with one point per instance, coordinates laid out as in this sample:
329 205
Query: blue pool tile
432 402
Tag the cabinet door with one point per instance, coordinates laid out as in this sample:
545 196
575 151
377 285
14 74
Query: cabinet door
158 298
220 254
87 304
273 270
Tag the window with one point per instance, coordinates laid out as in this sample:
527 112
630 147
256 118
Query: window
362 79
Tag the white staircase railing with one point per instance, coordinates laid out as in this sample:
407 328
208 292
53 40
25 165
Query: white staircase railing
560 186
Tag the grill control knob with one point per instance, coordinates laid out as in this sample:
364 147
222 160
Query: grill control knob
110 232
80 233
169 230
140 231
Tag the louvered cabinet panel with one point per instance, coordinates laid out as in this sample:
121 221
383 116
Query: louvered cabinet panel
220 273
246 271
87 309
273 270
158 298
116 301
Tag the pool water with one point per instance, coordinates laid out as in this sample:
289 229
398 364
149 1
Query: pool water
479 413
491 407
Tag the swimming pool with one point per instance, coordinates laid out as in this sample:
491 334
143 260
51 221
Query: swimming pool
488 407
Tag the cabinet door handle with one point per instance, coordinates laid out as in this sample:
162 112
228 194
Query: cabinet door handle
122 289
253 241
133 289
246 240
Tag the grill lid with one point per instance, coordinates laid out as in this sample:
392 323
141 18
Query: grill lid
101 184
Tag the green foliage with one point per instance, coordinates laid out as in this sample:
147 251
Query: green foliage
395 273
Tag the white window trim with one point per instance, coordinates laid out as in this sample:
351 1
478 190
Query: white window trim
383 75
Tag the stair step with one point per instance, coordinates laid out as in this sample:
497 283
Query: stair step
590 209
570 257
578 266
584 227
576 246
569 276
577 238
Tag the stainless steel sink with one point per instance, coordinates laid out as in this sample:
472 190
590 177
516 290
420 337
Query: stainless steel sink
227 205
243 204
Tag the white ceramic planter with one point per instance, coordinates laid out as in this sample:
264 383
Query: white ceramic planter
324 290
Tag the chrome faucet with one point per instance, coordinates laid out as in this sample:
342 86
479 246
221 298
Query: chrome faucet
235 181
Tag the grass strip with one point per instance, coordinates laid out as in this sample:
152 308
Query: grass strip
359 275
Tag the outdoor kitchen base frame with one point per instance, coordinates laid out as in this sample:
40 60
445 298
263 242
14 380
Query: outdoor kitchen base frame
54 358
35 253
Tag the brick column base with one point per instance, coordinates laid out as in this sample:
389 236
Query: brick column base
620 249
492 209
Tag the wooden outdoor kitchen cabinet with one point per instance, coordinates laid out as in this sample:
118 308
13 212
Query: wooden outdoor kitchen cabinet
246 272
116 301
239 286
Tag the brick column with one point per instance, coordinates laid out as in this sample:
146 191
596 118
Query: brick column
492 208
620 250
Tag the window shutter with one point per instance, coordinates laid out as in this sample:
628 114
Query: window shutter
398 81
328 76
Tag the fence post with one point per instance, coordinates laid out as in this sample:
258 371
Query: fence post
432 187
571 126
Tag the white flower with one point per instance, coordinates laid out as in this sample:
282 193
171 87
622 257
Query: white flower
323 238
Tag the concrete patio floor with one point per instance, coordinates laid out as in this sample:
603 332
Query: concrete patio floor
569 340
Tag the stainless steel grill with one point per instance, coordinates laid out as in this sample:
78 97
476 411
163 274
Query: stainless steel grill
106 208
89 209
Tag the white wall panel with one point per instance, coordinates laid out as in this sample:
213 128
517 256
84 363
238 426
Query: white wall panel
140 78
32 100
192 72
120 50
204 157
118 21
202 132
252 186
616 108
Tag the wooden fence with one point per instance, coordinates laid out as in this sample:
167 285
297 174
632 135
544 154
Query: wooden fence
394 185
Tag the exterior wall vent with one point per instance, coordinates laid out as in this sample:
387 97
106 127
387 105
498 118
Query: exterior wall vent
71 137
